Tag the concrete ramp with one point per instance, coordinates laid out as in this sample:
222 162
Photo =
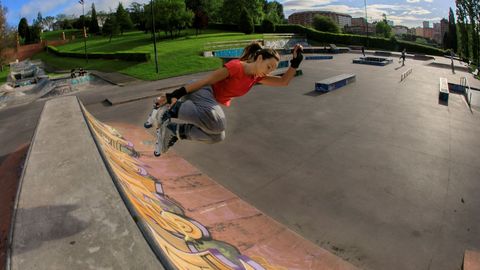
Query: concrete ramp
70 208
68 213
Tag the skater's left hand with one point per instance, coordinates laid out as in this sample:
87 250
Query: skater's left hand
297 56
161 100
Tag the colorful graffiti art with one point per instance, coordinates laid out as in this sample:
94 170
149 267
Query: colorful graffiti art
186 242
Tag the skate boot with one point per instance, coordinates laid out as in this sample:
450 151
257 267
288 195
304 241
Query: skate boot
167 136
156 117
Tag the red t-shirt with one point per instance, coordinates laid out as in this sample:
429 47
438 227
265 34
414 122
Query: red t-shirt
235 85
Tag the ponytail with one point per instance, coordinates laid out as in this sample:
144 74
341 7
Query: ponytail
254 49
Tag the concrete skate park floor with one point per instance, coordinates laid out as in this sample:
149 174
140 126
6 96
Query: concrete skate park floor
378 172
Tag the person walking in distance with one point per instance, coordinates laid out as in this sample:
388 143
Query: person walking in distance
451 59
403 56
198 104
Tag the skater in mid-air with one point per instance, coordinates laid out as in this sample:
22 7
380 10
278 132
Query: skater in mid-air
197 104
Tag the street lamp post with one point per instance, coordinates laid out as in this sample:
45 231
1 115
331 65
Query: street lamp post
154 38
366 18
84 29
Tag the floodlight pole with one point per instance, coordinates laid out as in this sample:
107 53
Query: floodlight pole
366 18
154 38
84 29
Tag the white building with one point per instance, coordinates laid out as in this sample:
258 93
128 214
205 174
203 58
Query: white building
399 30
306 18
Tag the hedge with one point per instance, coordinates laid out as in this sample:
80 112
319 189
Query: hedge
344 39
349 39
126 56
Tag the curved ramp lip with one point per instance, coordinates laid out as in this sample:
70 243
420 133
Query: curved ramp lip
163 258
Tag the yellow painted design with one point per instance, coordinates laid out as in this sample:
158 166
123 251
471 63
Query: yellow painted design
173 232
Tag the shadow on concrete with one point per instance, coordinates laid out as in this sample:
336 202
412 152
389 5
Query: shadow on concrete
397 68
51 223
314 93
443 102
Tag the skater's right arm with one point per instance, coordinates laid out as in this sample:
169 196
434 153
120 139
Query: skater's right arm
216 76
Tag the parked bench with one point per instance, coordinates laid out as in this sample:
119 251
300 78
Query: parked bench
443 91
333 83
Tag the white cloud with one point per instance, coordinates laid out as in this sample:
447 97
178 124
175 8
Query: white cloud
31 9
401 14
291 6
100 5
419 11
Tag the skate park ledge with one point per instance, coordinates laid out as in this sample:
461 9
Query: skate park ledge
89 198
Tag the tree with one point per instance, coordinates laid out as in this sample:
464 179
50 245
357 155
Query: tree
39 21
213 9
137 15
200 19
111 27
246 22
462 25
66 24
472 9
452 32
93 26
273 11
80 22
35 32
383 28
3 35
446 41
231 15
325 24
268 26
23 28
175 16
123 19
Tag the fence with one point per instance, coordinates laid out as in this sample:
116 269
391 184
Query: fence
26 51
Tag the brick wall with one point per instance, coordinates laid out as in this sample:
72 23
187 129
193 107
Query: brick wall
26 51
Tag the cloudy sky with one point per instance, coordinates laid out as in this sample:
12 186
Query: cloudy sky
404 12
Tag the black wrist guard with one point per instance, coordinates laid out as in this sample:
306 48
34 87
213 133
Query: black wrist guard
180 92
295 62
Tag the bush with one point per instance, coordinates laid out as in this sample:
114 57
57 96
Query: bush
348 39
325 24
268 26
246 22
126 56
223 27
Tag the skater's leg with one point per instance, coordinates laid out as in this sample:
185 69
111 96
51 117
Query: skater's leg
194 133
202 111
169 133
205 121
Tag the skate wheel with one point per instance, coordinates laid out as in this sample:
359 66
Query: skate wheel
155 153
147 125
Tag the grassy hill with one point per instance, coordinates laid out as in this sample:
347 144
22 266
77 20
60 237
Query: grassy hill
175 57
